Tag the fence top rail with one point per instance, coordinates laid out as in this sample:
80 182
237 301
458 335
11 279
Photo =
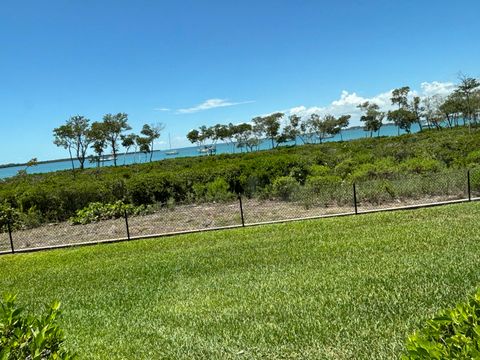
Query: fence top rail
289 217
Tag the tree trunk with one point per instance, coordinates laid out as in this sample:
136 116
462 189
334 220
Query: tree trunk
71 158
114 151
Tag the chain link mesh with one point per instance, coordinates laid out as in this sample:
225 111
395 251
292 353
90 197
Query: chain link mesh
412 190
292 201
65 233
475 182
186 217
300 202
4 241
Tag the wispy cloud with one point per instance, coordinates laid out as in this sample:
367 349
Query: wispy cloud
162 109
211 104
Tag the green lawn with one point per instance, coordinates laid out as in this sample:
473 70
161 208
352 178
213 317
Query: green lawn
340 288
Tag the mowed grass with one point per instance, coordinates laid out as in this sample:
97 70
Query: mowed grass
342 288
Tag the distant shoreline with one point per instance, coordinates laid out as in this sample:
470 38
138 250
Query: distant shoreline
11 165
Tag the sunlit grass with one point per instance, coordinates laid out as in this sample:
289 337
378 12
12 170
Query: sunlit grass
340 288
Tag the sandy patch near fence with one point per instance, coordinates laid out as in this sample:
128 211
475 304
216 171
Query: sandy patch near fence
186 218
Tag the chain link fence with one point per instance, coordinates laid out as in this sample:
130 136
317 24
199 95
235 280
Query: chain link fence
311 200
414 190
4 242
186 218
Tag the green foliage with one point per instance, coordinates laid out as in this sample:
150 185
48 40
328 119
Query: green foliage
452 334
217 191
420 165
319 170
55 197
97 211
8 215
28 337
473 158
285 187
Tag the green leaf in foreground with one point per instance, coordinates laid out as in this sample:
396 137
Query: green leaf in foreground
28 337
452 334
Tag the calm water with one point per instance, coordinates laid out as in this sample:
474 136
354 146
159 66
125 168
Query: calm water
349 134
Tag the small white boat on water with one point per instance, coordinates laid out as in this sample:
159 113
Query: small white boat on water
207 150
170 152
107 159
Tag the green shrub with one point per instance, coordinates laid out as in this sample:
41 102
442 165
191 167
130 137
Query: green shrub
319 170
8 215
319 184
217 190
473 158
97 211
285 187
53 197
420 165
299 173
28 337
452 334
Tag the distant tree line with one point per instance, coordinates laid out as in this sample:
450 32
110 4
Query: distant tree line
79 135
248 136
461 107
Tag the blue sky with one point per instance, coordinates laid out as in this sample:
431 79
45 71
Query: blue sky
216 61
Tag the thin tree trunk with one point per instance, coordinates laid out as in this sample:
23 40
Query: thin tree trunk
71 158
114 154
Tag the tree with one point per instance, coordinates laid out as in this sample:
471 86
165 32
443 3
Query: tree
99 137
466 91
229 135
115 125
63 137
127 142
143 144
418 110
152 132
372 117
323 126
400 97
431 112
305 132
243 135
75 134
292 131
342 123
32 162
194 137
268 125
403 117
452 108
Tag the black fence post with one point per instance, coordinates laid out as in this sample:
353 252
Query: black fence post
469 188
126 224
241 209
355 198
9 227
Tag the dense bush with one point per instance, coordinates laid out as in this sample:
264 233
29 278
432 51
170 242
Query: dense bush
214 191
98 211
285 187
8 215
53 197
28 337
452 334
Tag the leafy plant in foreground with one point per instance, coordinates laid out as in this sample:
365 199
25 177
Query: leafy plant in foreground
452 334
97 211
28 337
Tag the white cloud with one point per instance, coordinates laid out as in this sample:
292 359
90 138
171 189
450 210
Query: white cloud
437 88
211 104
348 101
162 109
